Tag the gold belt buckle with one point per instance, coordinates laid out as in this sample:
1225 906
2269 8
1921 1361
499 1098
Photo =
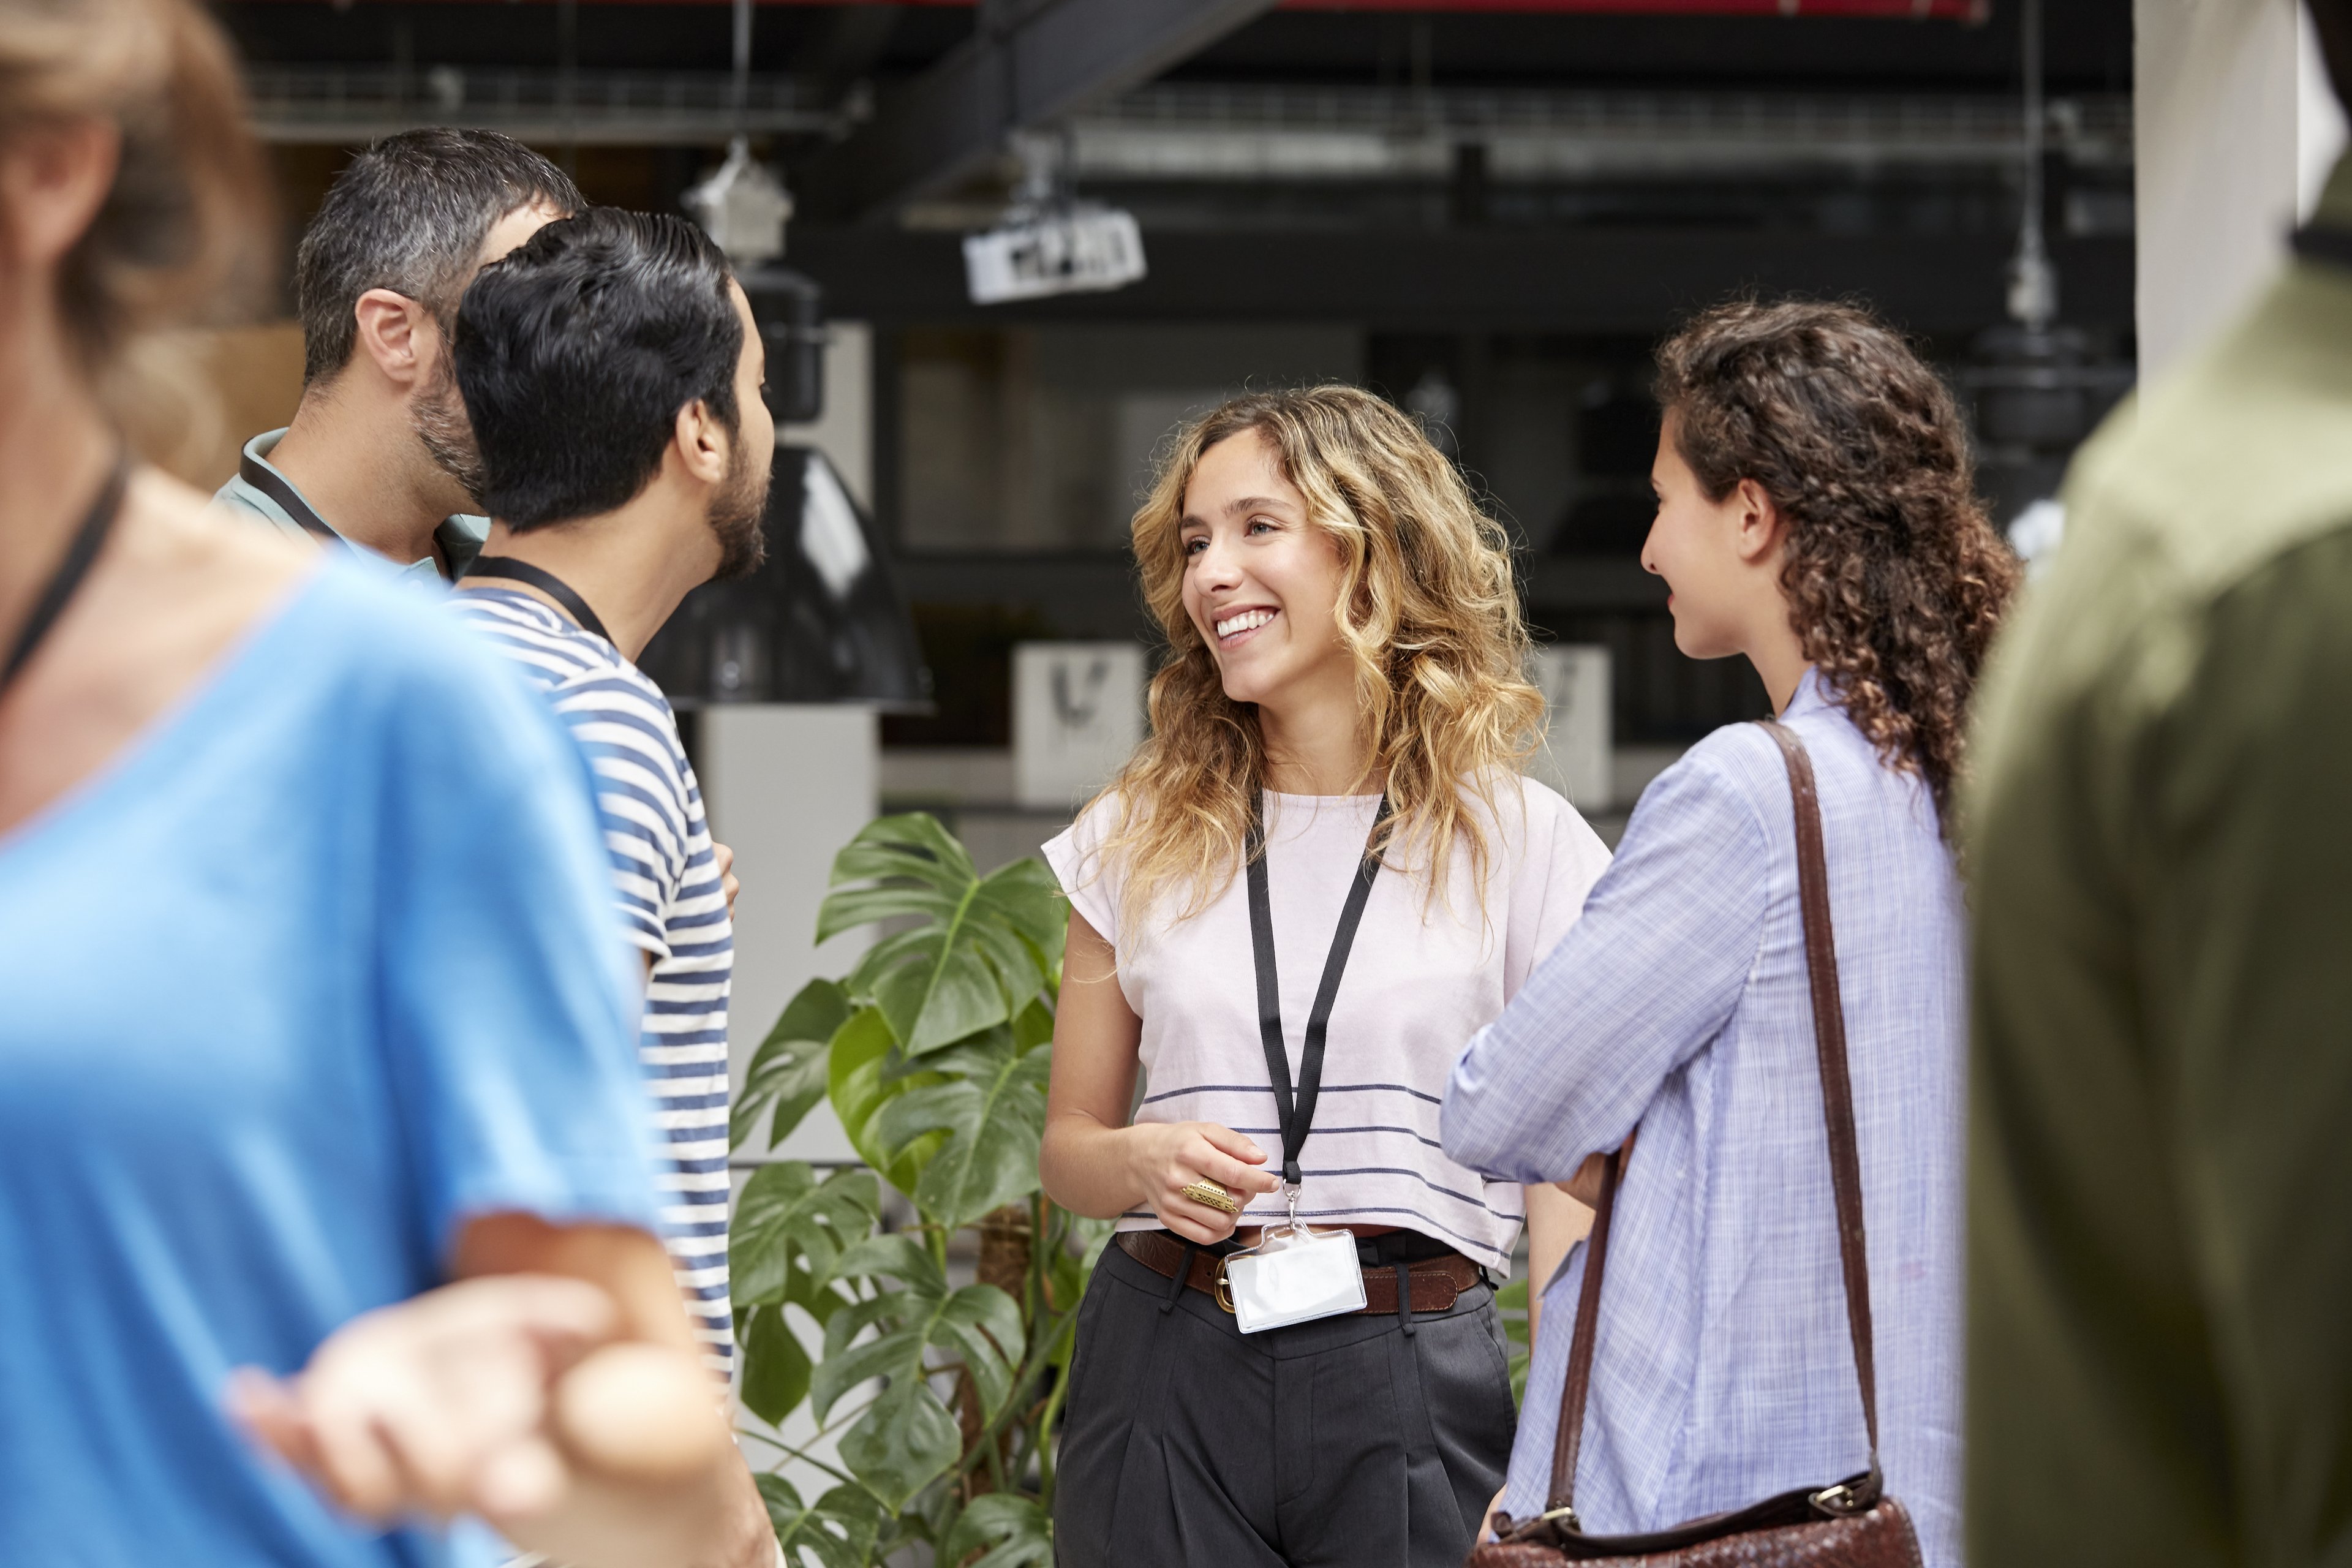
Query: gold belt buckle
1222 1295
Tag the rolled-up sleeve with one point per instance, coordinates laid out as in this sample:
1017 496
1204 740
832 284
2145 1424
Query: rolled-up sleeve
1642 981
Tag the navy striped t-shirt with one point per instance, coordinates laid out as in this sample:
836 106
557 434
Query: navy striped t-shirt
673 906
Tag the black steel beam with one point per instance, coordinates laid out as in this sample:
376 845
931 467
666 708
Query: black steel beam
1535 281
1029 63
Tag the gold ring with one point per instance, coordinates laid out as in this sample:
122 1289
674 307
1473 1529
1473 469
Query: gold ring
1209 1193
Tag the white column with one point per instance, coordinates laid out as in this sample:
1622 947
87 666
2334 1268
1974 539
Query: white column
786 785
2230 110
2320 129
844 431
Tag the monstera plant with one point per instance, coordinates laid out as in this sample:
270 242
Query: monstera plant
934 1053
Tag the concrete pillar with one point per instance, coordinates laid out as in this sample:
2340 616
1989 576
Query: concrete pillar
787 785
844 431
2234 126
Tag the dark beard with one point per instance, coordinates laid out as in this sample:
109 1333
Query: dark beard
437 415
737 511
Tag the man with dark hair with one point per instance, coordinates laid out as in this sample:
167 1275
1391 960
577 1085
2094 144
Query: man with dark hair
612 374
2159 1354
379 455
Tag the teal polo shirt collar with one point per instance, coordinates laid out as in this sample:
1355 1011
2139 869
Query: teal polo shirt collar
260 488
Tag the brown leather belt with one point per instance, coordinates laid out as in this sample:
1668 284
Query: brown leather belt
1437 1282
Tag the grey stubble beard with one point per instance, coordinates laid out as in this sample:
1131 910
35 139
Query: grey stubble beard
437 415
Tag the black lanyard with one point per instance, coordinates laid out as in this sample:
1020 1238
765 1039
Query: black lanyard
1295 1121
81 553
2315 243
546 581
273 484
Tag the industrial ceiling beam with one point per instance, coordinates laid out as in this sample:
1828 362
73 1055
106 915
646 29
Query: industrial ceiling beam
1028 63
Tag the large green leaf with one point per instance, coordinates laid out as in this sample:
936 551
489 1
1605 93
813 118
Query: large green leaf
907 1437
776 1369
1072 1264
838 1533
984 945
1034 1027
862 1083
1016 1529
992 1110
787 1219
788 1070
818 1296
1511 1302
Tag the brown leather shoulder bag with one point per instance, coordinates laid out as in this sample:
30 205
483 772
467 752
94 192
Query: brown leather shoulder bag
1850 1523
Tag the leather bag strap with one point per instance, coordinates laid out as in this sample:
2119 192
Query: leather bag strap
1837 1083
1569 1441
1845 1162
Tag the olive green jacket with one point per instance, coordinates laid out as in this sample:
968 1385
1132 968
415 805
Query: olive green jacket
2159 835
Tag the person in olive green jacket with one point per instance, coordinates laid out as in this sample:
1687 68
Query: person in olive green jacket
2160 836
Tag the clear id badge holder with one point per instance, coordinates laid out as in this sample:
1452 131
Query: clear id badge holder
1293 1275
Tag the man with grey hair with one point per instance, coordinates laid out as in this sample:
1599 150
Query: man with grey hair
381 462
379 455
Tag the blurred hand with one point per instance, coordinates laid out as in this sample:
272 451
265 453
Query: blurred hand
1167 1157
507 1397
724 859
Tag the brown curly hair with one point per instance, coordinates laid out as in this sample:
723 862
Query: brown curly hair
1895 579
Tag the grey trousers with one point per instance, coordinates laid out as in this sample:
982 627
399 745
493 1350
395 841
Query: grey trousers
1344 1441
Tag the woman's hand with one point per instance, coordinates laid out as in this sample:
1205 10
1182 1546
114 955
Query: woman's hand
1165 1158
1585 1185
1486 1519
1090 1160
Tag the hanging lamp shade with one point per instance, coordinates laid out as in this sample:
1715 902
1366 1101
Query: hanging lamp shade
821 621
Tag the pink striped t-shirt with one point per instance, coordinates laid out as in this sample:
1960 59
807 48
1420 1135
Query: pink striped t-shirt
1422 979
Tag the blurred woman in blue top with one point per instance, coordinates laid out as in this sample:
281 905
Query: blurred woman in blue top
1816 515
310 999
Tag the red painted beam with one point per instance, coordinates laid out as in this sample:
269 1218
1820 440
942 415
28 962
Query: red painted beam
1914 10
1971 11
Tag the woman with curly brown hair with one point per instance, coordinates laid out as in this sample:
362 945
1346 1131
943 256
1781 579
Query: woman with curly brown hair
1324 849
1816 515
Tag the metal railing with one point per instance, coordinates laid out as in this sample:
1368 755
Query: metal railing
1239 133
343 103
1208 131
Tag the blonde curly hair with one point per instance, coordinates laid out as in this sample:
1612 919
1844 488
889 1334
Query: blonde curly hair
1427 607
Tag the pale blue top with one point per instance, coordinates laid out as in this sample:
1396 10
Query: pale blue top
1679 1004
321 967
460 535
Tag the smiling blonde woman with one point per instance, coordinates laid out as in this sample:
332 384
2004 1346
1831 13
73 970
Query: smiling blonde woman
1316 881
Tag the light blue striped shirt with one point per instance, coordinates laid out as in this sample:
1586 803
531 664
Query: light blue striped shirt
672 905
1678 1004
